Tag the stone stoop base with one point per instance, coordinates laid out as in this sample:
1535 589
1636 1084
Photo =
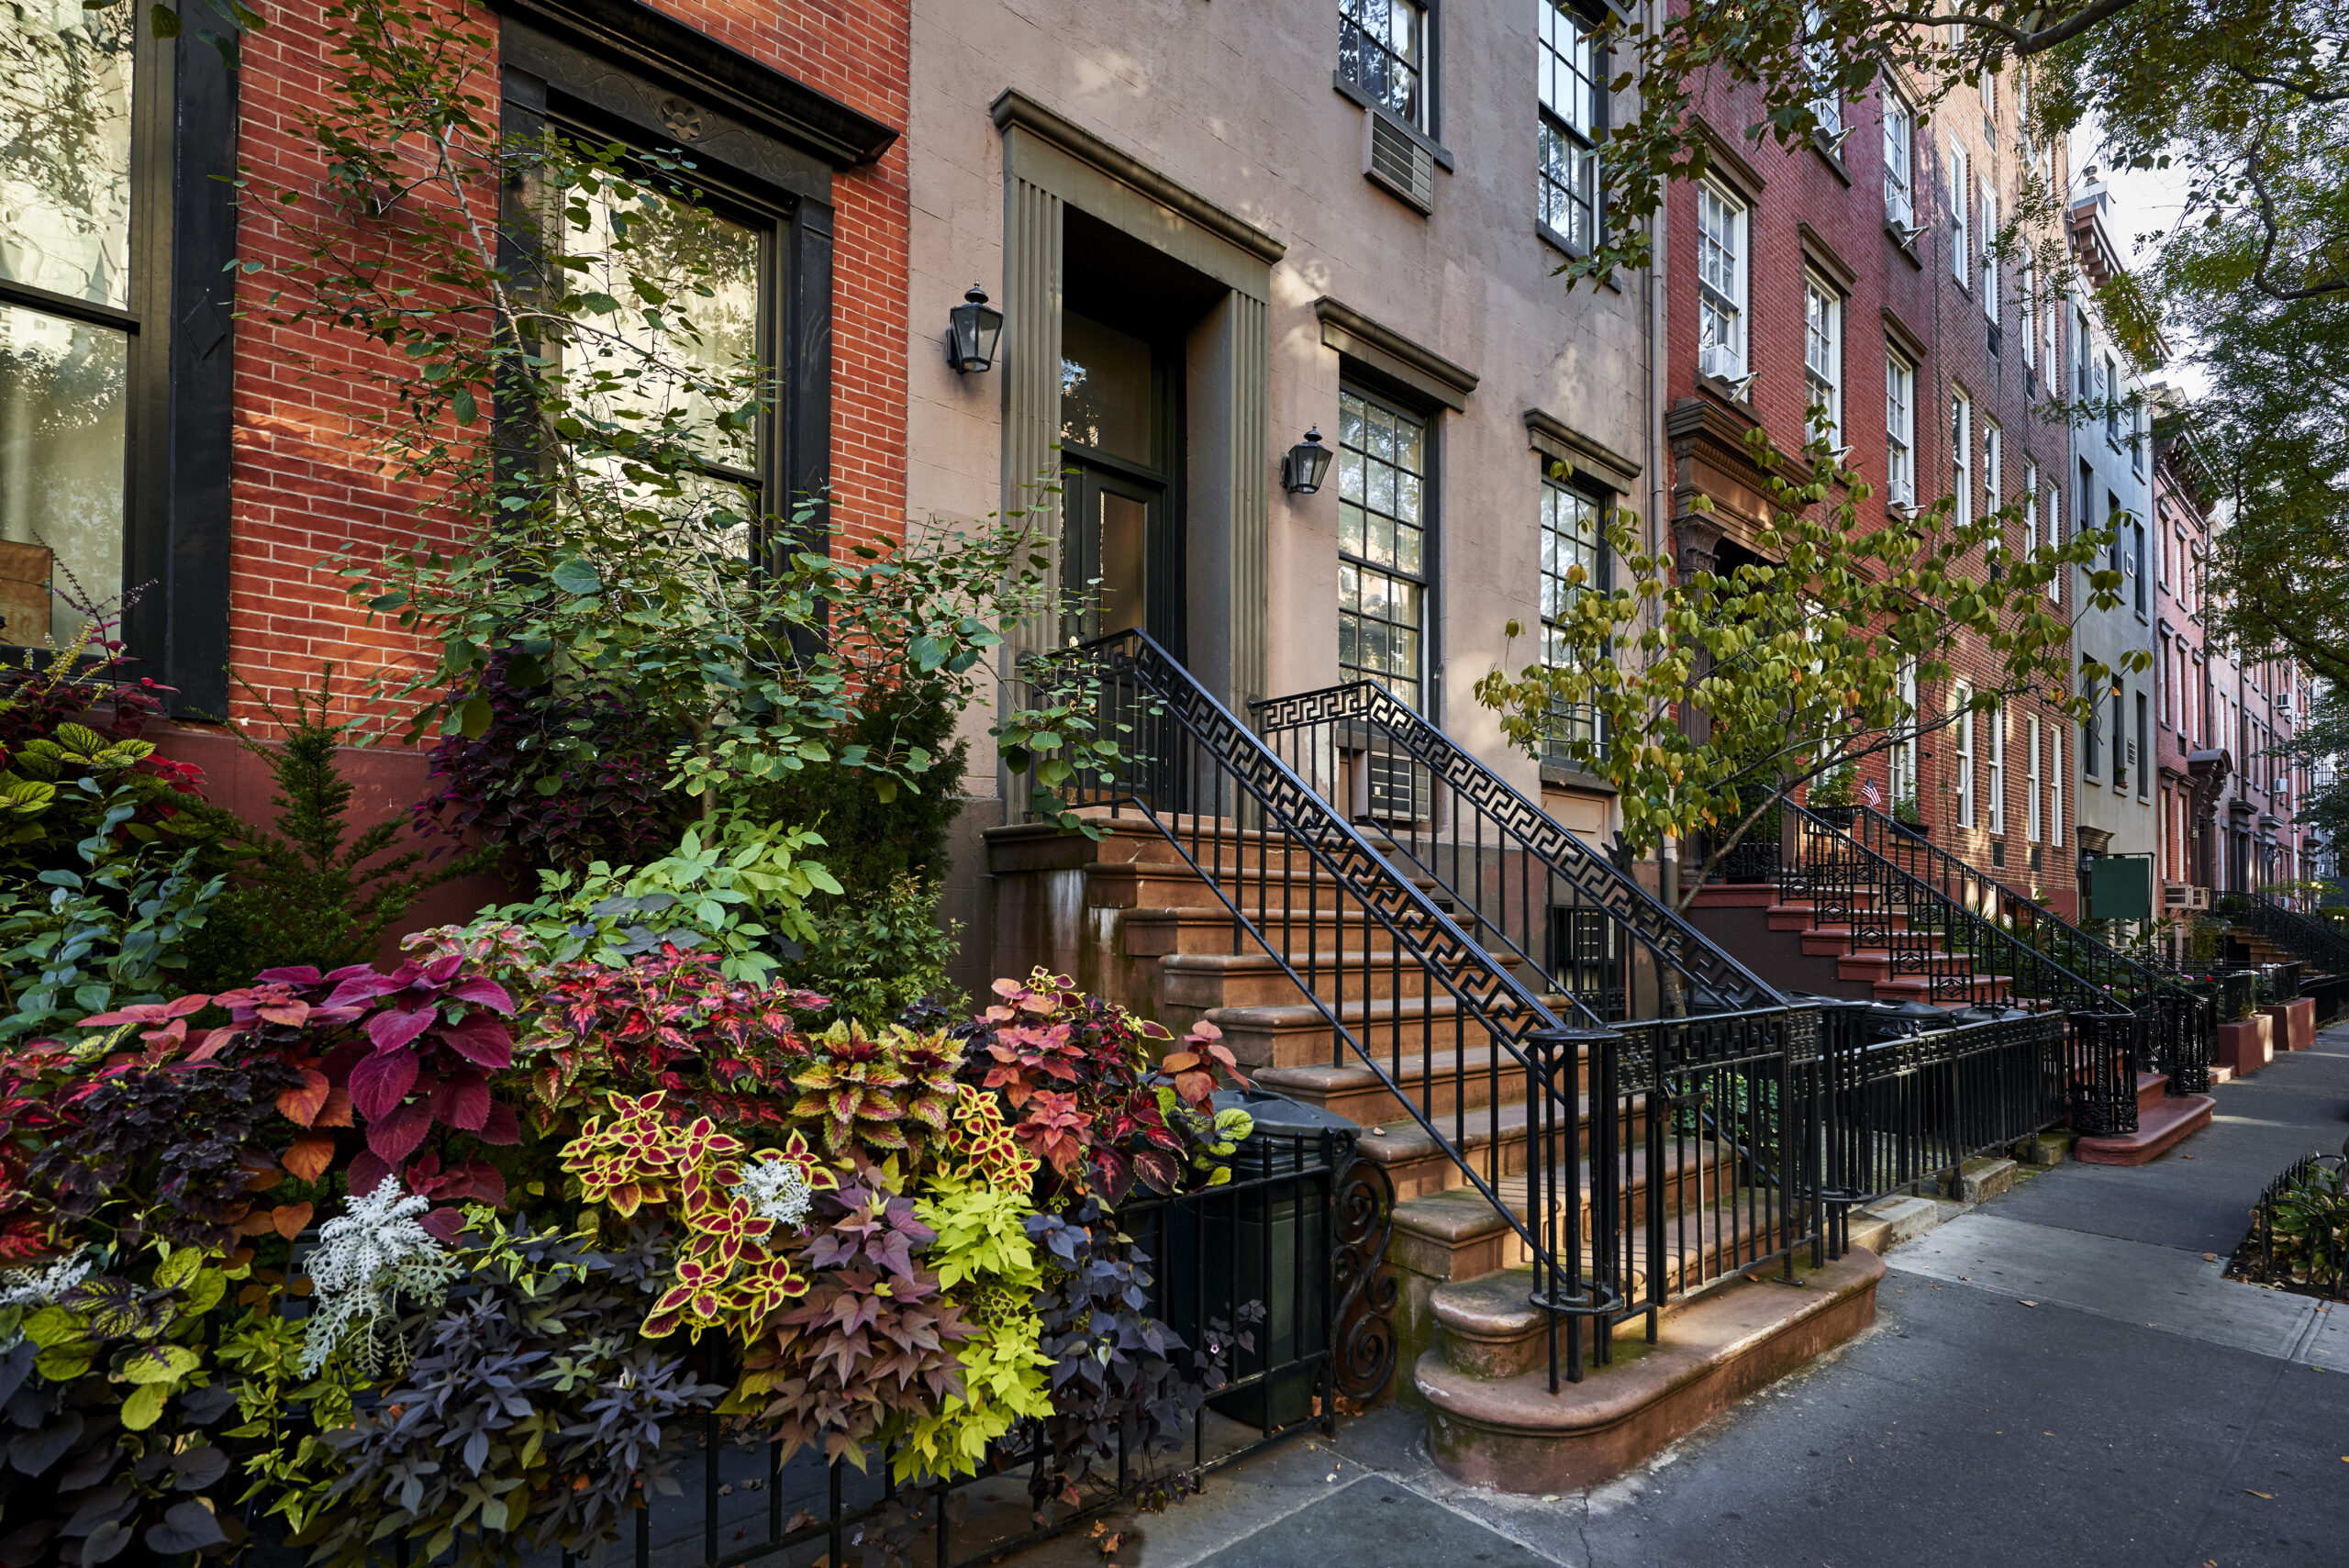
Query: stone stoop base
1513 1435
2159 1130
2294 1023
2245 1046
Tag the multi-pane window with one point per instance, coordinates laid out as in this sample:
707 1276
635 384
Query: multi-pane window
2108 391
1961 242
1962 702
1569 73
1901 761
2091 729
2055 540
2027 306
1989 249
1720 282
1899 148
1994 453
1382 48
1382 543
69 326
2145 753
2056 785
1901 431
1573 563
2137 564
2119 746
1961 449
1823 355
2083 375
2032 827
1997 770
1827 99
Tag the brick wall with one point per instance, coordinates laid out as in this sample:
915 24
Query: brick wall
306 484
1822 212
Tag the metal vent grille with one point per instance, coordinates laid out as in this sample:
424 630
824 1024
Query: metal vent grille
1392 160
1397 788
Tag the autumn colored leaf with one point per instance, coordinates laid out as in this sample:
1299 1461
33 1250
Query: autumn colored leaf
289 1218
310 1156
302 1106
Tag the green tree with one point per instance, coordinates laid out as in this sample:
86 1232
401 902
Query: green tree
1719 694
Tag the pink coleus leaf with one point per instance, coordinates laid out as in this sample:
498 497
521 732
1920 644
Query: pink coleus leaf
395 1136
484 1040
462 1100
381 1081
483 992
447 1224
392 1028
368 1170
501 1127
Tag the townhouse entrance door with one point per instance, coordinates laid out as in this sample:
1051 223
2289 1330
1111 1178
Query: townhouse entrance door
1121 443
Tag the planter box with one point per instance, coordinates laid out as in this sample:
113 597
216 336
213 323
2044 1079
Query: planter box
2245 1047
2295 1022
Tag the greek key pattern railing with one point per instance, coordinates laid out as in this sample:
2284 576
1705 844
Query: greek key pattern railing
1504 862
2312 938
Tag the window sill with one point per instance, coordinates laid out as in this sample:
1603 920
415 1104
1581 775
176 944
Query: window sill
1907 247
1365 103
1728 392
1554 776
1565 247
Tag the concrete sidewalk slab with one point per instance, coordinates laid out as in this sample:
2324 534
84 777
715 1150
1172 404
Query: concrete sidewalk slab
2129 1282
1376 1523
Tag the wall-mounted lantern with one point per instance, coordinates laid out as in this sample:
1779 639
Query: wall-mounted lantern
1307 461
971 339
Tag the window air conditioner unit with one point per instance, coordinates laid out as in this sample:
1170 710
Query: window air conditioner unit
2197 898
1393 158
1719 359
2283 702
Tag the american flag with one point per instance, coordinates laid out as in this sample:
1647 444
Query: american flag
1869 793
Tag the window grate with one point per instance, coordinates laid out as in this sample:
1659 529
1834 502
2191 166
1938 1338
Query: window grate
1392 160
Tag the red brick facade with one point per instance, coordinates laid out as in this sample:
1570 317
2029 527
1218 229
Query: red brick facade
1820 212
305 485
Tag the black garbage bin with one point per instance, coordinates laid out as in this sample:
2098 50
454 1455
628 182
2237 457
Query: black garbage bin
1264 1237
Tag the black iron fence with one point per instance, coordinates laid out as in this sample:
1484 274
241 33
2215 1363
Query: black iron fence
1275 1288
2318 941
2299 1237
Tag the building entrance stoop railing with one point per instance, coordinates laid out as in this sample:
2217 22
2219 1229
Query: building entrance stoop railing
2182 1017
1646 1116
2310 938
1964 957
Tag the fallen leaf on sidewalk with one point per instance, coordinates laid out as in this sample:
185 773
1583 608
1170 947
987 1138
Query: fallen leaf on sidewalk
2269 1496
2030 1304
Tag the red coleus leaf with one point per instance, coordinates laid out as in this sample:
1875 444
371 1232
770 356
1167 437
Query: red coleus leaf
484 1040
150 1012
368 1170
310 1155
462 1100
501 1127
392 1028
446 1224
302 1106
381 1081
395 1136
483 992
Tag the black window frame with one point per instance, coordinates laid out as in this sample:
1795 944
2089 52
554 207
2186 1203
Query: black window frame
1602 580
180 392
1429 124
1547 120
758 140
1371 389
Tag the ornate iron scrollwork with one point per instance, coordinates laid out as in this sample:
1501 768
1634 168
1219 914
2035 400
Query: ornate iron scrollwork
1362 1203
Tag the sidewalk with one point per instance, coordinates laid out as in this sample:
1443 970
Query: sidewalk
2059 1376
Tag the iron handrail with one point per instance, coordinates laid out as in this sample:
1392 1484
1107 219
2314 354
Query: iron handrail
1483 990
2099 953
2312 939
1983 937
1529 830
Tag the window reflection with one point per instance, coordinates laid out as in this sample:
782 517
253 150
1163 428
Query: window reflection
65 80
62 430
1105 391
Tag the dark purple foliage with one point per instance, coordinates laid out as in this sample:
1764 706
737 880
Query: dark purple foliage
563 776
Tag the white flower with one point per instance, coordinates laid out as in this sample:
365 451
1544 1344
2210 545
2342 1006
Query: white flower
375 1251
778 1191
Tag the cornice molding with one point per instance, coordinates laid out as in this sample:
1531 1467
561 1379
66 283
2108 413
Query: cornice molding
1382 348
1554 438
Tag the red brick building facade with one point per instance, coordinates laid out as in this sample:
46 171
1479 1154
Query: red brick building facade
1846 274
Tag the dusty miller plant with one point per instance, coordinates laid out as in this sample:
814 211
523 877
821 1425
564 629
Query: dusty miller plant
374 1253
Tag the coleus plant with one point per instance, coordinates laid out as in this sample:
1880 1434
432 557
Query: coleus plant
876 1092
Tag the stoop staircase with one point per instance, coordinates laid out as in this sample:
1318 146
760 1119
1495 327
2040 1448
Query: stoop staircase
1589 1116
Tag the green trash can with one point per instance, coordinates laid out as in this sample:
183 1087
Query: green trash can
1270 1244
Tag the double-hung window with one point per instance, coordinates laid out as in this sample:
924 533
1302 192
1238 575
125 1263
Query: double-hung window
1962 701
2055 540
1901 761
1961 240
1822 356
1900 152
2056 785
2108 391
1573 563
1961 450
1382 554
1994 453
1900 430
1990 275
1571 76
1819 54
1720 282
2027 306
1383 49
1998 768
2033 827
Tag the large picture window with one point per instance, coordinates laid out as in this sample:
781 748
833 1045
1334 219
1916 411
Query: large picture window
1573 563
1570 77
1383 555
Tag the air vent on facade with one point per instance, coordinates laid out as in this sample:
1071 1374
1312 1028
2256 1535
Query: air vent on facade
1398 788
1390 158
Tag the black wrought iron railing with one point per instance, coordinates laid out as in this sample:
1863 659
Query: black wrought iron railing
2313 938
1519 884
1461 1034
2299 1237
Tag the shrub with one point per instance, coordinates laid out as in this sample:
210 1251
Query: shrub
876 956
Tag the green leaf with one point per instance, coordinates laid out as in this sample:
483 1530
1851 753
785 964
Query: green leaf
474 716
159 1364
144 1407
163 21
53 1326
576 577
467 410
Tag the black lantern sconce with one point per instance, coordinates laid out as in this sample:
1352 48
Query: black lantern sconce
1307 461
971 339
